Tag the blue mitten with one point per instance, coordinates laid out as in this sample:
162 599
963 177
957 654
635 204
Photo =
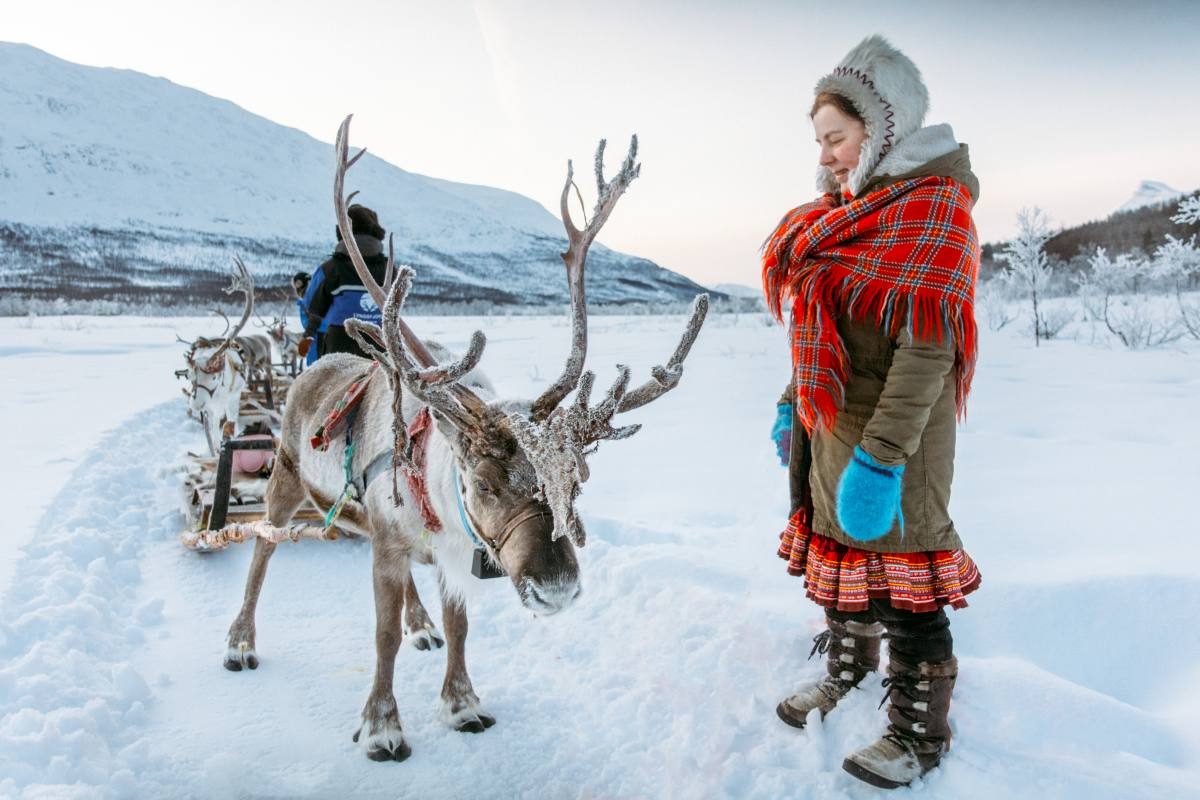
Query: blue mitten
868 497
781 432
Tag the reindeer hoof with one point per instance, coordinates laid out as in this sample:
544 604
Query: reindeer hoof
478 724
426 637
386 743
242 655
469 718
402 752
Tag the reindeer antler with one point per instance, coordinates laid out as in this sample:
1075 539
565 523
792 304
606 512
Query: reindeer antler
575 258
408 342
666 378
241 282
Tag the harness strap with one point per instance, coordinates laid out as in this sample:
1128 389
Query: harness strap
463 517
418 436
350 489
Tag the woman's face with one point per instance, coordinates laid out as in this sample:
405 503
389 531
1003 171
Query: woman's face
840 137
298 287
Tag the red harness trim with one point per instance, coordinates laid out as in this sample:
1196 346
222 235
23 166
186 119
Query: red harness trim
418 437
335 422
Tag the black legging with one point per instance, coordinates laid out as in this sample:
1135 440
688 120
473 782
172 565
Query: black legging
913 636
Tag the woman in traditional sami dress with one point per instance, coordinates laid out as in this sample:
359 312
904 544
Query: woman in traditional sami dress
878 277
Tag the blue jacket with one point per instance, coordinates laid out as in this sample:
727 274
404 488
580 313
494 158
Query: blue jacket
314 283
342 295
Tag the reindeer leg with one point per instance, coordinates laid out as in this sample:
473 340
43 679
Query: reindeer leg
284 495
460 704
418 627
380 717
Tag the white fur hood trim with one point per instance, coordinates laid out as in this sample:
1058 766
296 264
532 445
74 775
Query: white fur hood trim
923 146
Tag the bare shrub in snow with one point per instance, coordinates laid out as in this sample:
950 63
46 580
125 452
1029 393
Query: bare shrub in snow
996 296
1114 291
1029 267
1054 319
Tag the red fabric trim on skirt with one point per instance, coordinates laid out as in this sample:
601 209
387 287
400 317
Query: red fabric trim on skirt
846 578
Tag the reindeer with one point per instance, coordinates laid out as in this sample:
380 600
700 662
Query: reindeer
220 368
216 369
513 468
288 342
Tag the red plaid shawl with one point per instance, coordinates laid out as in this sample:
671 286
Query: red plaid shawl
906 255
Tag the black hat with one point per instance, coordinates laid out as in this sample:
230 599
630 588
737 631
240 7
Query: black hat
363 221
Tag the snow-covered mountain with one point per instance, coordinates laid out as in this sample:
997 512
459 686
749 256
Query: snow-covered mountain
737 290
1150 193
112 181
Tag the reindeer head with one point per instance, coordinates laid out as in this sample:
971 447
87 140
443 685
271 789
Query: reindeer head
519 467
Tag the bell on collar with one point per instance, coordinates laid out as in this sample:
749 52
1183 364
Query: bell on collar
482 566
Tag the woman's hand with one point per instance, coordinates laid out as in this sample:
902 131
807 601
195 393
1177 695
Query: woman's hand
868 497
781 432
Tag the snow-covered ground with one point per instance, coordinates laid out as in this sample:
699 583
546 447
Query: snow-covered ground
1079 655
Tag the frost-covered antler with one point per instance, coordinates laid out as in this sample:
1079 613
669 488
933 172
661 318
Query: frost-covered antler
666 378
575 258
225 317
556 440
405 340
407 362
241 282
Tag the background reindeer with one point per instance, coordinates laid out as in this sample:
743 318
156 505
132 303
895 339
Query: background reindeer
220 368
216 370
286 341
502 475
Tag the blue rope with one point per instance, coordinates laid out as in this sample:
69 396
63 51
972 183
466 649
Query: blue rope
347 469
462 511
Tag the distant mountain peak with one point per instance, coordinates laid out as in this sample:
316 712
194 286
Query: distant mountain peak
737 290
1150 193
113 182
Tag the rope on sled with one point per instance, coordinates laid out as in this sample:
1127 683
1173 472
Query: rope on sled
238 532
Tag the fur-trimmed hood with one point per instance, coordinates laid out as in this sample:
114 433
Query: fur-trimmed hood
931 150
886 88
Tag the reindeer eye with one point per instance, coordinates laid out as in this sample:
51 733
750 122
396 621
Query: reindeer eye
482 487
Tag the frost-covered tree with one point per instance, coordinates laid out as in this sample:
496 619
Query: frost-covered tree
1113 292
1188 212
1028 265
1178 262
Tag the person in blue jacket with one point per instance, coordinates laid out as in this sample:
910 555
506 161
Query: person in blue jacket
340 295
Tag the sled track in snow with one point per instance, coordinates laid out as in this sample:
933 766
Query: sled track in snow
73 697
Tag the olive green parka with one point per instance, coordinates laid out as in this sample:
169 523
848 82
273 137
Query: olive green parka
900 406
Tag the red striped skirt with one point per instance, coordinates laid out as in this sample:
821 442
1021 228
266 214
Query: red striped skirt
846 578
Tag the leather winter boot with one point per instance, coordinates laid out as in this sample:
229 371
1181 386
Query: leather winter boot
919 732
853 649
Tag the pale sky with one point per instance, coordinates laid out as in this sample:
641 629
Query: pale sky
1065 105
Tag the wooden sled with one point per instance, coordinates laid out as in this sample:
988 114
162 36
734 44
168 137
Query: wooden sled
218 499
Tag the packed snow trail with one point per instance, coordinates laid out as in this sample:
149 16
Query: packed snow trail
661 681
